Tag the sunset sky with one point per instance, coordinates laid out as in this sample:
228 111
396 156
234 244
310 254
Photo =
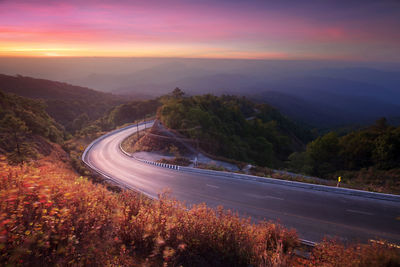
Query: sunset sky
344 30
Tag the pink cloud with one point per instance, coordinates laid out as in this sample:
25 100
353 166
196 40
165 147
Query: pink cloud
179 22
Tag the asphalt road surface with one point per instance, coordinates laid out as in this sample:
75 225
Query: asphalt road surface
314 214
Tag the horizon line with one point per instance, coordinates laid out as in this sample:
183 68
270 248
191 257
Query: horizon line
353 60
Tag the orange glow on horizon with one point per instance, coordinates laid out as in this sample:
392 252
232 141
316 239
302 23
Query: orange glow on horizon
134 50
154 51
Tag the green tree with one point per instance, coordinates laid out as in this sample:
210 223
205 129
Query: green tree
300 162
25 152
356 150
90 130
324 153
381 124
15 131
386 154
80 122
177 93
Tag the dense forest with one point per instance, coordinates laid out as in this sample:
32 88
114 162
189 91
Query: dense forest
373 153
116 116
234 127
24 127
128 112
64 102
375 146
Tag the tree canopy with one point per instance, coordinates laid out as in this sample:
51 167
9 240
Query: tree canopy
375 146
20 120
233 127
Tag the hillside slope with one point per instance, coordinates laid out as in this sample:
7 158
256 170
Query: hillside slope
234 127
64 102
369 156
48 216
332 102
26 128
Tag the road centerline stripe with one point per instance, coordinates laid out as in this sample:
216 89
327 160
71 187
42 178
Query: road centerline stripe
264 196
360 212
278 198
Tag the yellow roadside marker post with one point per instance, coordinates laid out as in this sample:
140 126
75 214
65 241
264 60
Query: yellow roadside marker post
338 181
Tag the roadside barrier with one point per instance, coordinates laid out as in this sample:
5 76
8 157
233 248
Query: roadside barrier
239 176
154 163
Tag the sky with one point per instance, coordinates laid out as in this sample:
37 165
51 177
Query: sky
364 30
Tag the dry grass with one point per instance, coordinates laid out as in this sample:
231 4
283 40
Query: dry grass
49 216
333 253
128 144
372 179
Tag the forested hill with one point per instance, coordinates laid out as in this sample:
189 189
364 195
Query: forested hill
234 127
24 127
367 156
375 146
64 102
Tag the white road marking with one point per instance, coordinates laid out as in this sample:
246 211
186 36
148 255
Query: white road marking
278 198
360 212
264 197
213 186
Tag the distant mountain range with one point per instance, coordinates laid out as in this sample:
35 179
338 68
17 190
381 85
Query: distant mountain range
318 93
321 97
325 101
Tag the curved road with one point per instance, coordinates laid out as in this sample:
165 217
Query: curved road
314 214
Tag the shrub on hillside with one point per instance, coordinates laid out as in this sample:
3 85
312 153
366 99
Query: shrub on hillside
48 216
333 253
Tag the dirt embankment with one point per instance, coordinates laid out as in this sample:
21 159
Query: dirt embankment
158 139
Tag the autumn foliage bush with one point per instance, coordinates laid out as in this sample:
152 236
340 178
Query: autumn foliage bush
333 253
49 216
372 179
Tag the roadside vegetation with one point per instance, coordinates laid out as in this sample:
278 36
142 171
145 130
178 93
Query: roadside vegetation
129 143
50 216
368 158
128 113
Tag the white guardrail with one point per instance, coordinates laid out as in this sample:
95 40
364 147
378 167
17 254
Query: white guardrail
239 176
